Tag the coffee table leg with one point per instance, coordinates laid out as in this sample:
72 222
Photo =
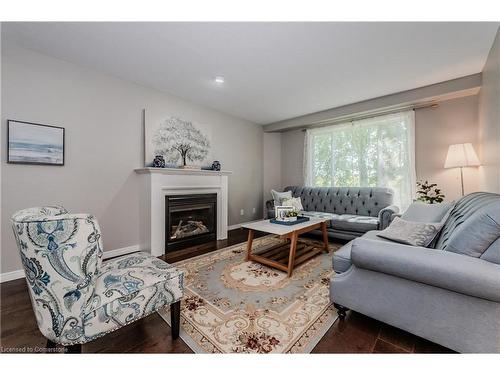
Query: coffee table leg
325 235
293 249
249 244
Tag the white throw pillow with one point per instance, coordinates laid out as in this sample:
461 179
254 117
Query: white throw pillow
295 202
280 196
411 232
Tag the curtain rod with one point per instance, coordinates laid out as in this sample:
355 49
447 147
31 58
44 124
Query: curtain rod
344 119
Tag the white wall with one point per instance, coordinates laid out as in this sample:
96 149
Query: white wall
272 164
292 158
489 121
102 117
1 143
453 121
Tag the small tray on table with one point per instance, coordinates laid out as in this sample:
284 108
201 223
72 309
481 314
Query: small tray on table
300 219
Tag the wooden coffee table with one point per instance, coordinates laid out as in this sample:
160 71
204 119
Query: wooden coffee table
286 256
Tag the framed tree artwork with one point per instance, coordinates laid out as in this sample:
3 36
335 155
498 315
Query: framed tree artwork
31 143
181 142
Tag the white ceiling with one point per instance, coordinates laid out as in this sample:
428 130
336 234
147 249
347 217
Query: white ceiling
273 71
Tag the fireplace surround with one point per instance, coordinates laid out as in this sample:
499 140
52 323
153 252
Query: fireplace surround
157 183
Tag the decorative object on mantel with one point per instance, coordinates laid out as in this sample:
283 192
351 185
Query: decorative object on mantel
182 171
459 156
159 161
429 193
216 165
181 142
31 143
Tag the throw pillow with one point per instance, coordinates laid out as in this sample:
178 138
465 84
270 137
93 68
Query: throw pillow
475 235
411 232
295 202
280 196
428 213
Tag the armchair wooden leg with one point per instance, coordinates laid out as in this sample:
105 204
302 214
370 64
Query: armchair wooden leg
50 344
175 319
341 310
77 348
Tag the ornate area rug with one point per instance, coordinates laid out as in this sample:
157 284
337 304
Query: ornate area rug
234 306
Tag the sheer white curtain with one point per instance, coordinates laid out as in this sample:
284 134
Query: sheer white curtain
378 151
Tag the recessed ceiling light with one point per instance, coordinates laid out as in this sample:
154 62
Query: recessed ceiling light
219 79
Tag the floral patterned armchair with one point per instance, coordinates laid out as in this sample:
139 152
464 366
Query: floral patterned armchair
78 298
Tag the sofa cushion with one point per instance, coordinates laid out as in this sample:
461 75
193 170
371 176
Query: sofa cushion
355 223
320 215
427 213
477 233
294 202
280 196
411 232
492 254
342 257
462 211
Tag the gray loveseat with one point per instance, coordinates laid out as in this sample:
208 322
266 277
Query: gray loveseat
446 297
353 210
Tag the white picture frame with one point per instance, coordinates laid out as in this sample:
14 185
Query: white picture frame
280 212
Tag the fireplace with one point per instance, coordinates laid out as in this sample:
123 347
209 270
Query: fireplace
190 220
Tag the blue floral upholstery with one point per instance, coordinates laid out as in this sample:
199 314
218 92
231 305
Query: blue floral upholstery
75 296
129 288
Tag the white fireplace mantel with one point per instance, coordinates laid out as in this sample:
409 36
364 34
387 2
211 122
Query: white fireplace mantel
157 183
183 172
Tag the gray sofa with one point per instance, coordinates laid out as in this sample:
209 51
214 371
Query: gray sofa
353 210
446 297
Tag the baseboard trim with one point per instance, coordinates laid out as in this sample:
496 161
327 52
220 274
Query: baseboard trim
121 251
233 227
19 274
12 275
238 226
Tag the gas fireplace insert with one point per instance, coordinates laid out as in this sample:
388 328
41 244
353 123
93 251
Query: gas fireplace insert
190 220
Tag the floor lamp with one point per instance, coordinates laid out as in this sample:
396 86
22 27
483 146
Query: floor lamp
459 156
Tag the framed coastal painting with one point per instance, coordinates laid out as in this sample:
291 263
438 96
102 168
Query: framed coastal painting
30 143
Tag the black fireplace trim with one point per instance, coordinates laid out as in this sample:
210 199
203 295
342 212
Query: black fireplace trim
189 199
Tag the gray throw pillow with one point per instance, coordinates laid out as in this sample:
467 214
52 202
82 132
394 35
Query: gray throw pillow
428 213
477 233
280 196
411 232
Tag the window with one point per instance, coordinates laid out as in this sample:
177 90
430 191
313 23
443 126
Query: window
379 151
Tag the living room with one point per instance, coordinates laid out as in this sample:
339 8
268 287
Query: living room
250 187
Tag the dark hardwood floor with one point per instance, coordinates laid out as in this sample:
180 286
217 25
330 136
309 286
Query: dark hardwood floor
356 334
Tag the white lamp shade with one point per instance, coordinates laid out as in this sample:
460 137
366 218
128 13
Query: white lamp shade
461 155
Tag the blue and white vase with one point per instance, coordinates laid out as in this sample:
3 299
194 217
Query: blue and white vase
216 165
159 161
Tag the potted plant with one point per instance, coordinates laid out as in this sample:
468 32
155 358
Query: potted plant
291 215
429 193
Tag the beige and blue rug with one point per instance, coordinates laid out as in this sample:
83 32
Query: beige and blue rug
234 306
